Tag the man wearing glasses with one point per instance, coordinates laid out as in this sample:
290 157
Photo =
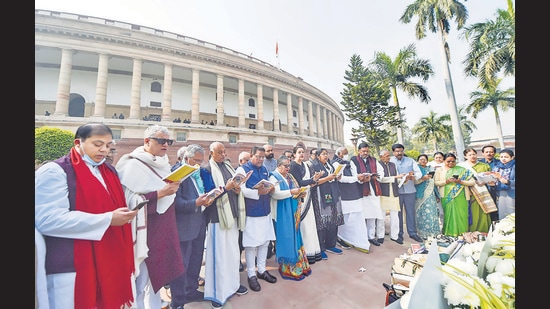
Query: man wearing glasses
259 229
156 244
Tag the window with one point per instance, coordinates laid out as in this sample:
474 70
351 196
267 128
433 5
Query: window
251 102
117 134
271 140
293 113
181 136
155 104
252 126
251 115
156 87
232 138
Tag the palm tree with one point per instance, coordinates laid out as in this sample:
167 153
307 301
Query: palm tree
399 72
492 47
493 98
435 15
433 129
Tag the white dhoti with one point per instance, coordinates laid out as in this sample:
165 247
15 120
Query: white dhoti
354 230
222 278
372 211
308 228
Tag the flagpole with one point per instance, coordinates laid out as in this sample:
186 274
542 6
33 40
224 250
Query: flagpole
277 54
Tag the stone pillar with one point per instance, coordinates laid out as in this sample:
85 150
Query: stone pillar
167 94
301 122
260 116
135 104
195 112
289 112
310 117
319 127
101 86
219 102
64 83
242 122
276 118
325 123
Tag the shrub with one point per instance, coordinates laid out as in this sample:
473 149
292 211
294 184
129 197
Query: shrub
51 143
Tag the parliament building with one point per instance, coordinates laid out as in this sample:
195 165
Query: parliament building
128 76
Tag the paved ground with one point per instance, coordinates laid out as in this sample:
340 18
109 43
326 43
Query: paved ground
334 283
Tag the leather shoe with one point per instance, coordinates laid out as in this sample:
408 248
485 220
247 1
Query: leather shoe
374 242
266 276
194 296
417 238
398 240
254 284
380 240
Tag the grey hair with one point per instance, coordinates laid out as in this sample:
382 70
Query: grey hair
192 150
181 152
243 154
281 160
383 152
154 129
339 150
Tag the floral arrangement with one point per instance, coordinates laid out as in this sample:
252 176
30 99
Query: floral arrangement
482 275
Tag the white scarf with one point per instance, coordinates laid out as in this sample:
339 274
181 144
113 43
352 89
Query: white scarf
222 204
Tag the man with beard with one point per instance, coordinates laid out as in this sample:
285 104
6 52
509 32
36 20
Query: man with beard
269 162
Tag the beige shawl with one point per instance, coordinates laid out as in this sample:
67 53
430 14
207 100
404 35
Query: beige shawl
222 203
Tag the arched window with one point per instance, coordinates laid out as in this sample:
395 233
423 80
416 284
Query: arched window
156 87
251 102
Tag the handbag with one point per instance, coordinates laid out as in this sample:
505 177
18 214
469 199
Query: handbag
391 294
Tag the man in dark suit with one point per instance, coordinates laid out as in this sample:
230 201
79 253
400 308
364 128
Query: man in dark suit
190 202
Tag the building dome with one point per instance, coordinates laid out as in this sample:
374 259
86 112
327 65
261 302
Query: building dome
89 69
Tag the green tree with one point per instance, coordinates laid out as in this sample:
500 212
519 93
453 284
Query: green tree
495 99
432 128
51 143
399 74
435 16
492 47
365 99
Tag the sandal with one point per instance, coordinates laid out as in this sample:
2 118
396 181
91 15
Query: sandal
201 281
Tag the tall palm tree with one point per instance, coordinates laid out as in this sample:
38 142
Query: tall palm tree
435 16
492 97
492 47
399 72
432 128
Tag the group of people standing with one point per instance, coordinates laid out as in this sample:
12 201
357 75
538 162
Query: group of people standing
95 245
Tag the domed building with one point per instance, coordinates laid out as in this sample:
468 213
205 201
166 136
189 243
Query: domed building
128 76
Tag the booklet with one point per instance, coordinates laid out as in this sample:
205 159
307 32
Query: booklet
302 190
240 178
264 183
214 193
182 172
339 168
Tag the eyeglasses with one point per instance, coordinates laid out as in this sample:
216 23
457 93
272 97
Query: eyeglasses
286 165
260 157
161 141
323 154
197 161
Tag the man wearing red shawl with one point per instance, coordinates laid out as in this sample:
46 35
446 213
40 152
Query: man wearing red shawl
81 211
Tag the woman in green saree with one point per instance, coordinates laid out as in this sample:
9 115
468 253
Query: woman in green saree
480 221
451 181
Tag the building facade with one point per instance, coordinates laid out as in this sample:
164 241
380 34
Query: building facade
89 69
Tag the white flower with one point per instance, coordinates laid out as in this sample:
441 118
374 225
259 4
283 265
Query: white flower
506 267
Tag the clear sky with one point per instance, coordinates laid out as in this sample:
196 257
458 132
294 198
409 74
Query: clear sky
316 40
